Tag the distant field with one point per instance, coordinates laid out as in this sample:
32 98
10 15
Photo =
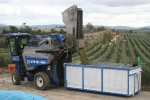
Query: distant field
122 52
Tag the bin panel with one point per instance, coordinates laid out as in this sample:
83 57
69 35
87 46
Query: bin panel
139 78
115 81
137 82
92 79
74 76
131 85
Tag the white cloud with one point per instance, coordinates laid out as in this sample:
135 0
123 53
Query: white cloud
115 3
98 12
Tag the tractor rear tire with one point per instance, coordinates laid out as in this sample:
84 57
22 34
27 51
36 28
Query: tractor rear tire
16 78
41 81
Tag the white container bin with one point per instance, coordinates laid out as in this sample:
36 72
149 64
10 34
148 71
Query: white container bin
108 78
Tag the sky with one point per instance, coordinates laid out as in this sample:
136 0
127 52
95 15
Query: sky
135 13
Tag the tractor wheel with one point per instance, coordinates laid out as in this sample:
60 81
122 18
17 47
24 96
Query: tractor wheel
16 78
41 81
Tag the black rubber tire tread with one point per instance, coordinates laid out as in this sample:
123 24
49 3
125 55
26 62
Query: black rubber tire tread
46 80
17 77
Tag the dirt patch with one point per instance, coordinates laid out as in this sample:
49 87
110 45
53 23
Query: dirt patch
92 38
145 88
2 71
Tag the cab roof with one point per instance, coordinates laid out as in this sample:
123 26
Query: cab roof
16 34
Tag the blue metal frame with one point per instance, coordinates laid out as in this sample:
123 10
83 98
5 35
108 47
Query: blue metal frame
102 76
17 66
134 84
65 74
102 79
82 77
92 66
128 83
16 34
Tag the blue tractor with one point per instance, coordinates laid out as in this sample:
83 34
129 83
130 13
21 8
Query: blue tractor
43 63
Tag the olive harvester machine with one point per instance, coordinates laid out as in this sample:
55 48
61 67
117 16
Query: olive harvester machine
43 63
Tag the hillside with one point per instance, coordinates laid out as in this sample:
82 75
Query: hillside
54 26
92 38
122 52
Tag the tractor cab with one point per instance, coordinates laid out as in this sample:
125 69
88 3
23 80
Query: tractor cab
16 42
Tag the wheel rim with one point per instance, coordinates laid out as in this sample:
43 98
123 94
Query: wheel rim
39 81
13 78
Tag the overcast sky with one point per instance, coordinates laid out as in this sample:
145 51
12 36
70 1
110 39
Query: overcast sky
134 13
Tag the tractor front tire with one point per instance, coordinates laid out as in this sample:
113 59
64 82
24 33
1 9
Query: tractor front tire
16 78
41 81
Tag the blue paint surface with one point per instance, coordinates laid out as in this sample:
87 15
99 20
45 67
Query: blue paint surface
15 58
18 95
55 78
35 61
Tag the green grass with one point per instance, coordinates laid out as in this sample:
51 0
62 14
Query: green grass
4 57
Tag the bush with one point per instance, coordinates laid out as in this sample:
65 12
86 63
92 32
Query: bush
2 43
4 60
4 57
107 36
145 78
